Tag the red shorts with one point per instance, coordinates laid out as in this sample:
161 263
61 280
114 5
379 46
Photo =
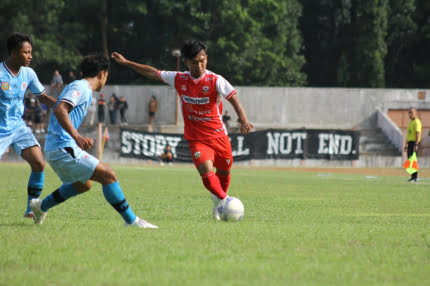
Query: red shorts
218 150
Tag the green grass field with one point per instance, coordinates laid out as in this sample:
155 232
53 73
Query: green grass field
299 228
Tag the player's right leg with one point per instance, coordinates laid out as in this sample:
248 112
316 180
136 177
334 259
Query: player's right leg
60 195
26 145
74 167
212 183
203 158
115 197
34 157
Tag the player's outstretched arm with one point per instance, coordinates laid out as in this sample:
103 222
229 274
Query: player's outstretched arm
245 125
62 114
47 100
148 71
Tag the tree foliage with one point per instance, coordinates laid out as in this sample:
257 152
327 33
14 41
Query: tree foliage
351 43
348 48
419 57
401 38
367 50
55 43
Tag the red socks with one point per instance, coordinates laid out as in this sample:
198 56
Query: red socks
224 181
212 183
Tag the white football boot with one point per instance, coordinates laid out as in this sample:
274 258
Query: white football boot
140 222
38 215
215 211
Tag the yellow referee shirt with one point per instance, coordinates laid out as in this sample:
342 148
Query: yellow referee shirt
414 126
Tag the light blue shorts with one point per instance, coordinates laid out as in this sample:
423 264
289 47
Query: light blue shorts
20 139
72 166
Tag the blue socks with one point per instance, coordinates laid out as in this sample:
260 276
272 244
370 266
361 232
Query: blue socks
112 193
35 186
58 196
116 198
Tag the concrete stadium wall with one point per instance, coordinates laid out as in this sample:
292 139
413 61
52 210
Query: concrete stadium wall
280 107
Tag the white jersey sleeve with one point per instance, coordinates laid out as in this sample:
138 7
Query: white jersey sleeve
75 95
224 88
168 77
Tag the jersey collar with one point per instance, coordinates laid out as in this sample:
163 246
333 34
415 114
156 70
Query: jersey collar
196 80
88 84
7 68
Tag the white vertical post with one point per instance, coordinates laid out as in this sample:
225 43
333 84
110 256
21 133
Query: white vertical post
99 140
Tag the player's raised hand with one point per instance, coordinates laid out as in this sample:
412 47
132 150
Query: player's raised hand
246 127
118 58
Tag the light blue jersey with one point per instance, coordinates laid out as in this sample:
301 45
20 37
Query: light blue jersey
12 93
79 95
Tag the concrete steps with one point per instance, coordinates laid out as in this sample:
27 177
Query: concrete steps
374 142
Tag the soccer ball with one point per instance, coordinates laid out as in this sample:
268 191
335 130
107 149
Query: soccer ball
231 209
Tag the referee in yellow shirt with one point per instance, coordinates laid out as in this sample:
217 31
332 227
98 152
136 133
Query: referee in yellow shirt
413 138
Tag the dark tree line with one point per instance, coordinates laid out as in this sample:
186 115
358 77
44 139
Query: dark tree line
348 43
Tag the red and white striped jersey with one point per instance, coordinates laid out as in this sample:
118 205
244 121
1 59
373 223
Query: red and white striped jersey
200 102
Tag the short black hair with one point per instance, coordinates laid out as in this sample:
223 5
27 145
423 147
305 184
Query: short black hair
15 41
192 47
93 64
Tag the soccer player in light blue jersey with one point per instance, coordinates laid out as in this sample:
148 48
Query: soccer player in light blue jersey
16 77
64 148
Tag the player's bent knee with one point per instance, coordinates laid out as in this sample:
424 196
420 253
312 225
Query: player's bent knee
83 187
223 172
205 167
104 175
34 157
37 165
110 176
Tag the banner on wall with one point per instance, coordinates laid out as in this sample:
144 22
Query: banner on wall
266 144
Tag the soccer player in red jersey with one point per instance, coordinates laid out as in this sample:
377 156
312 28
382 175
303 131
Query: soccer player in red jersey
200 92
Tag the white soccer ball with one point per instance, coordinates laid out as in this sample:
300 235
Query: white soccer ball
231 209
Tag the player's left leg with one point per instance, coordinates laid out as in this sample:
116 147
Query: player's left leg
34 157
223 160
224 178
115 197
